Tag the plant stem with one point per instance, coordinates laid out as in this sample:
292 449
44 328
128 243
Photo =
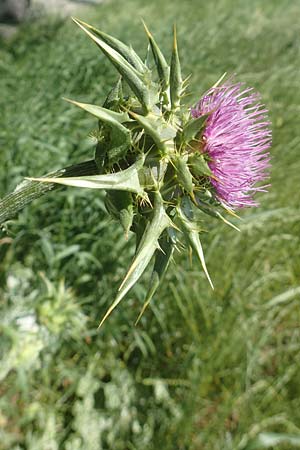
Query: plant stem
28 190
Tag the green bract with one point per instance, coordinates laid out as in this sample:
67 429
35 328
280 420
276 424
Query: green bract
146 159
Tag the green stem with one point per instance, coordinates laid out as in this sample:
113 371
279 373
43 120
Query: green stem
28 190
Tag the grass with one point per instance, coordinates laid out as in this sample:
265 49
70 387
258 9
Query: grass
203 370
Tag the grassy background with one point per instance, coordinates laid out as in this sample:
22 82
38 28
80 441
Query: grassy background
203 370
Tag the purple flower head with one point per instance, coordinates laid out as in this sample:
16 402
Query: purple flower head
236 140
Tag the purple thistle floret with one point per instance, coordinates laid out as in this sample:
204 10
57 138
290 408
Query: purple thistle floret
236 140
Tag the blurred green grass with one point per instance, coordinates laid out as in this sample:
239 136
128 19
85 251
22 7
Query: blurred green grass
203 370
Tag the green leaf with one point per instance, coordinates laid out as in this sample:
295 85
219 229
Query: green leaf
118 141
108 116
119 205
183 173
163 256
209 210
156 127
114 96
191 232
28 191
176 84
126 218
132 76
193 128
124 50
125 180
199 165
147 246
162 66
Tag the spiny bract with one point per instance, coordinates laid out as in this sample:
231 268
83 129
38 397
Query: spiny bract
155 157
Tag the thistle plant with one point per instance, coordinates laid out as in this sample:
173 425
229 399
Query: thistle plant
164 165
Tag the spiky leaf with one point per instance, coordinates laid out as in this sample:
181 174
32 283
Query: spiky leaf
193 128
124 50
129 73
162 66
117 141
148 244
156 127
199 166
114 97
163 256
105 115
175 75
125 180
120 205
183 173
28 190
191 232
207 209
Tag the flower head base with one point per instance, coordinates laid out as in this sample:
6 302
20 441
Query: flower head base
236 140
